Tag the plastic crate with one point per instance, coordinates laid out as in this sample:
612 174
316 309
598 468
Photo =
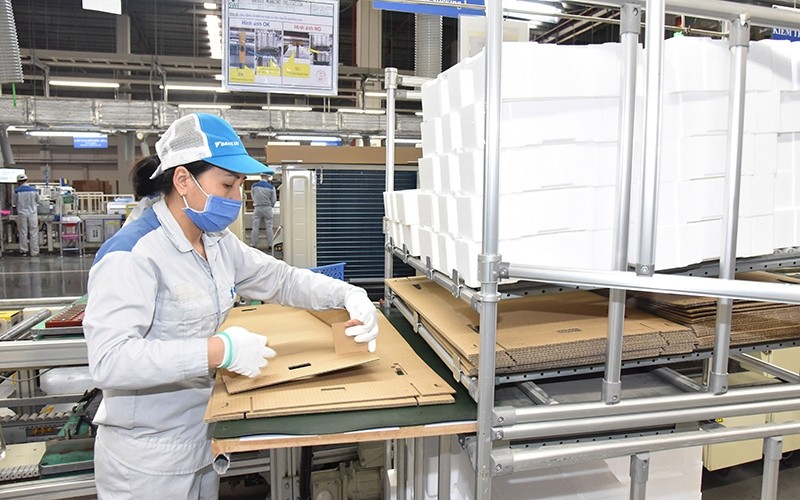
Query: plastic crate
335 271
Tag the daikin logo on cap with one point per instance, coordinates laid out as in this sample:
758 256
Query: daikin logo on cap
201 136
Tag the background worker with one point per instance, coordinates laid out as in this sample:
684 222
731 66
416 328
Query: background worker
159 291
264 199
26 202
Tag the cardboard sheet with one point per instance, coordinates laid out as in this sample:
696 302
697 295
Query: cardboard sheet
304 344
550 331
397 378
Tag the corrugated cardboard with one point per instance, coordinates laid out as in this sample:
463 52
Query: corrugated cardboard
397 378
342 155
550 331
304 343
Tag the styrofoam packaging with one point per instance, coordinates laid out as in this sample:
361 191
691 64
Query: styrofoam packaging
467 260
695 64
429 176
782 67
759 154
470 168
603 249
428 208
396 233
449 174
784 191
762 112
788 152
531 122
700 240
389 207
760 67
757 195
398 206
411 238
702 156
431 104
431 131
603 206
451 132
784 229
667 254
789 111
558 249
756 236
444 93
473 125
447 254
409 200
700 199
696 113
448 214
428 244
462 87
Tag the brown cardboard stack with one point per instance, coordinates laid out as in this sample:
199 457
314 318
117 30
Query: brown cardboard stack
543 332
391 377
752 322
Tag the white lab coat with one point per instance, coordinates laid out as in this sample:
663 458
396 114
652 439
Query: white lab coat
153 303
26 199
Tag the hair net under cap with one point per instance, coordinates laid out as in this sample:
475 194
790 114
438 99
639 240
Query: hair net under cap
201 136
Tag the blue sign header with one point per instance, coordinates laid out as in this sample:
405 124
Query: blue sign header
446 8
785 34
90 142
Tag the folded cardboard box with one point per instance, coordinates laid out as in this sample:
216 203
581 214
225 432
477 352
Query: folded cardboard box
398 377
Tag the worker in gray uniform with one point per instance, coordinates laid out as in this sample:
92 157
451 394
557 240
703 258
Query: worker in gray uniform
25 201
158 293
264 199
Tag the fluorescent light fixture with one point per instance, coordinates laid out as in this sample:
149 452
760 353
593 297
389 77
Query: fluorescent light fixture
283 143
210 6
218 78
541 12
408 141
214 36
286 108
13 128
418 113
308 138
410 94
359 111
63 133
374 94
84 83
204 106
195 88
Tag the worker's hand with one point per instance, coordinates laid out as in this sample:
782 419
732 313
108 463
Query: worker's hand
245 352
363 324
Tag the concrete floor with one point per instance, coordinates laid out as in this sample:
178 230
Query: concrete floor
56 276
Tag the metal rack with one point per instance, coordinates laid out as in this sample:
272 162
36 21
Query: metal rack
498 424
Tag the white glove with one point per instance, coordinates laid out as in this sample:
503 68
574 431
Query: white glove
245 352
362 309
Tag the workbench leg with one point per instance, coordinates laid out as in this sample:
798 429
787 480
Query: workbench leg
640 470
773 448
444 467
419 469
401 465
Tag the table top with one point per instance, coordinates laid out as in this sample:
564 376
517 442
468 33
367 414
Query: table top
359 425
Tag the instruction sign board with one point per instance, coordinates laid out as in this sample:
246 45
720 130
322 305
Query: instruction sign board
446 8
90 142
284 46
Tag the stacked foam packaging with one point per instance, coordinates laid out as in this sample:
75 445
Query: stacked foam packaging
559 148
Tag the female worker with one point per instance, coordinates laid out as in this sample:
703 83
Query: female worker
159 291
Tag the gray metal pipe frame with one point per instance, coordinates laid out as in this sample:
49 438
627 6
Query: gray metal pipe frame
489 259
509 460
594 425
773 448
654 32
391 87
444 468
419 463
760 365
645 405
467 294
629 29
22 354
21 328
40 301
5 149
639 472
662 283
739 41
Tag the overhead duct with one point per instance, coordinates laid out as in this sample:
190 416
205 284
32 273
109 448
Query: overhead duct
10 63
428 45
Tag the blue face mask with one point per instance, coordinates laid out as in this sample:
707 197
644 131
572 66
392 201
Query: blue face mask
218 213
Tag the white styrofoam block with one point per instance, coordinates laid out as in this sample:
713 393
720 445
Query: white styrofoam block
408 204
603 249
667 251
411 238
447 254
790 111
760 75
782 67
429 176
696 113
428 208
784 191
451 132
462 87
470 221
762 111
397 201
788 152
700 240
444 94
784 232
700 199
396 233
470 168
448 214
533 122
431 130
467 260
473 125
604 206
757 195
702 156
759 154
694 64
559 249
389 206
449 174
431 104
756 236
428 245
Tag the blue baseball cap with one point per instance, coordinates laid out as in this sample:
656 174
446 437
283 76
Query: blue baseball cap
201 136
